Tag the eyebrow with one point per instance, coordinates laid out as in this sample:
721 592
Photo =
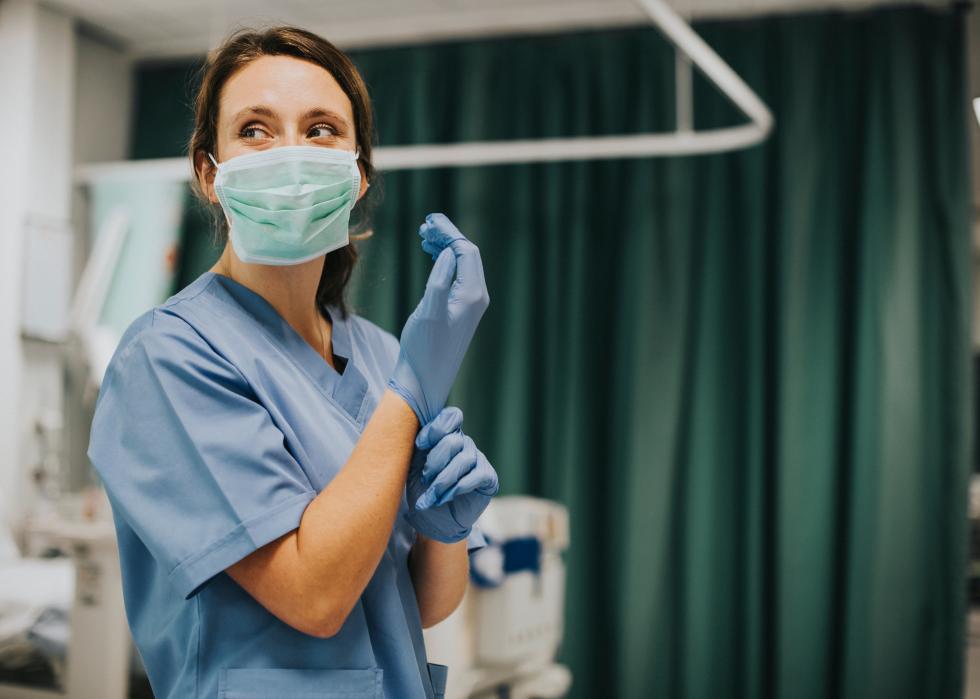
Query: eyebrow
313 113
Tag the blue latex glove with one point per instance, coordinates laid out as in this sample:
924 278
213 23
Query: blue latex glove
450 482
436 335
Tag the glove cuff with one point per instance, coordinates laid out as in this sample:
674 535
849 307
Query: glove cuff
445 536
409 397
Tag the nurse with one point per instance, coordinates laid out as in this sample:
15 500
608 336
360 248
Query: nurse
292 499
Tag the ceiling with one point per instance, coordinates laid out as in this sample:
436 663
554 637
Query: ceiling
165 28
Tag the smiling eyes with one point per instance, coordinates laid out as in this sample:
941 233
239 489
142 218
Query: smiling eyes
248 129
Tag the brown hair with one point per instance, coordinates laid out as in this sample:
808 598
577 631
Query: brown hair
243 47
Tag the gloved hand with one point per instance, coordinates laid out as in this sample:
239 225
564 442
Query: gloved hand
436 335
450 482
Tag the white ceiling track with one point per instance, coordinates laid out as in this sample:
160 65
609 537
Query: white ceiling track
690 50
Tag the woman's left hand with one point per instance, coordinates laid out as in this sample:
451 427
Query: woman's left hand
450 481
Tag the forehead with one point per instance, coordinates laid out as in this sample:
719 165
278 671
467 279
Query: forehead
291 86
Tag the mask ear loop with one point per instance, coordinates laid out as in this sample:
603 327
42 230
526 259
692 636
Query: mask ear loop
227 220
357 154
370 232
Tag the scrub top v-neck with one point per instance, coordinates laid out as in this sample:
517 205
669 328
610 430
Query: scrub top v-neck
215 427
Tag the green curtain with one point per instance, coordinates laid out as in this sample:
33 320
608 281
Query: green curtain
746 375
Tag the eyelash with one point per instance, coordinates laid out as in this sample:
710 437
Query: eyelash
252 126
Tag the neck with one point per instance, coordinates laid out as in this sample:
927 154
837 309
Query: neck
290 289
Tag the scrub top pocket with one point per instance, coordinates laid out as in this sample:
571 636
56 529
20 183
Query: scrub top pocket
286 683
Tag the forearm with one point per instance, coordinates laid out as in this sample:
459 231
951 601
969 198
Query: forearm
440 573
345 529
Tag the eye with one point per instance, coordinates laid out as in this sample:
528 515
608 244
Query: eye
248 131
320 127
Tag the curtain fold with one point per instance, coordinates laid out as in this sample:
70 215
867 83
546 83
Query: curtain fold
747 375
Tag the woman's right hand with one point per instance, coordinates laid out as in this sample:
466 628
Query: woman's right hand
437 334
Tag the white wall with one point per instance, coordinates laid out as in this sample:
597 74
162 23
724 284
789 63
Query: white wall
103 110
973 56
37 52
15 87
103 98
66 97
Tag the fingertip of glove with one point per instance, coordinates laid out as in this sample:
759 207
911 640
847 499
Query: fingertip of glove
445 263
449 416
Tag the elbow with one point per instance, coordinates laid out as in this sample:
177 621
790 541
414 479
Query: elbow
325 608
327 628
430 620
428 623
431 616
329 620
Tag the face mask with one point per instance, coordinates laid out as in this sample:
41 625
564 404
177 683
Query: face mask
289 204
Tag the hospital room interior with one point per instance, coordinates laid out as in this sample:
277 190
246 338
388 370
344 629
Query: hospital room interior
724 383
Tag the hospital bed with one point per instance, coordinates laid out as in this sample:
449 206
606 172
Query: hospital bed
76 598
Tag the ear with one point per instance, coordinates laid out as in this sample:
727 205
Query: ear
205 171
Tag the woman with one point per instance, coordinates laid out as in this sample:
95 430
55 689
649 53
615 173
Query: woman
285 527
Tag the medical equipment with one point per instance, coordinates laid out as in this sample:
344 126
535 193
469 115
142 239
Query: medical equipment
98 341
437 334
442 504
453 471
136 226
508 629
92 655
289 204
690 50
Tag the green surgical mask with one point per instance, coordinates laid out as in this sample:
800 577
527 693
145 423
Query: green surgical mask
289 204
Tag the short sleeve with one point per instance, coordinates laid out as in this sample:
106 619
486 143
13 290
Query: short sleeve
189 458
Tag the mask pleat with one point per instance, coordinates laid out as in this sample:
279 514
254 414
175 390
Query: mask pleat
290 219
288 196
288 204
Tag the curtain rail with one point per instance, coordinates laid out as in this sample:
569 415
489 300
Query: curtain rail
688 46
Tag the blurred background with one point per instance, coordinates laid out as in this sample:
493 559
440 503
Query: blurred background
731 396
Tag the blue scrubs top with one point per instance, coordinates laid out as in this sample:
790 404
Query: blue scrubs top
215 427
